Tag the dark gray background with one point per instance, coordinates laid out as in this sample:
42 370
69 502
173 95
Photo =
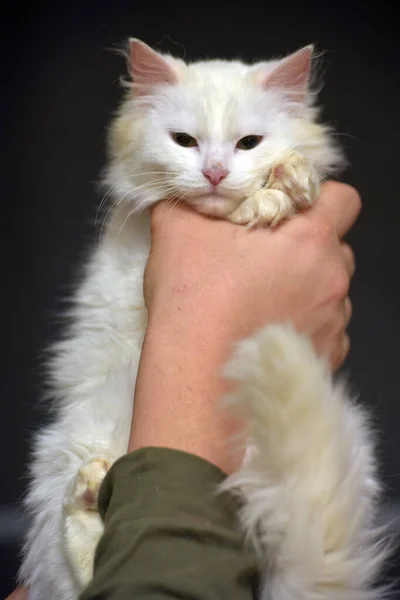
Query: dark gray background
59 88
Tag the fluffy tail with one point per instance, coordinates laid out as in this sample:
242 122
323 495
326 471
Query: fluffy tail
310 479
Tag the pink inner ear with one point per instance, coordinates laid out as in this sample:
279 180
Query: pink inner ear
148 68
292 74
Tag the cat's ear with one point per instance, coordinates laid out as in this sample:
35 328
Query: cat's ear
148 68
292 75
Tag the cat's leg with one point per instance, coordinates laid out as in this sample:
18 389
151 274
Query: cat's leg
82 525
66 474
310 482
292 184
92 375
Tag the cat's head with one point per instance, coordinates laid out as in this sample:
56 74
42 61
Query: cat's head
205 133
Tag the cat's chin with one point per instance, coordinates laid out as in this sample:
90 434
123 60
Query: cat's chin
214 205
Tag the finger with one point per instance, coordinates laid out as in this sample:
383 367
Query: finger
348 257
341 353
345 347
18 594
341 203
348 311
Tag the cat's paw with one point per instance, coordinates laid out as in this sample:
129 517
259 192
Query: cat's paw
86 485
82 524
292 185
264 207
294 175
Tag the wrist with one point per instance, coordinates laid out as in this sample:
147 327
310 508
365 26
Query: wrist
201 316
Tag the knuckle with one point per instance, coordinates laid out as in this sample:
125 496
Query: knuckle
341 350
340 283
349 258
345 189
354 197
348 307
323 229
337 328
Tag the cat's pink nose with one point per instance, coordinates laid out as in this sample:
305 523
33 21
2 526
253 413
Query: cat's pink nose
215 174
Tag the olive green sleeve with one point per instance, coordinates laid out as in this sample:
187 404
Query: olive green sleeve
168 534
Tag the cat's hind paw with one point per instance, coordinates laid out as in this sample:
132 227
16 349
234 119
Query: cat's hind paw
82 524
86 485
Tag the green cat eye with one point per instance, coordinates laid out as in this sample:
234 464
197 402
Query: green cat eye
184 139
249 142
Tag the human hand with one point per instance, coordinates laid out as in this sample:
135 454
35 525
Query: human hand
18 594
210 283
217 283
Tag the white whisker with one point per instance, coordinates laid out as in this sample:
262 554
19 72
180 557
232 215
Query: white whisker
109 193
153 186
163 189
124 221
172 202
131 176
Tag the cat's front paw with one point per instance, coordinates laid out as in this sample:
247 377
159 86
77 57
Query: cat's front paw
294 175
86 485
292 185
264 207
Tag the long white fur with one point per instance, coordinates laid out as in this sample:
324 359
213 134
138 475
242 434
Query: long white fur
309 482
93 370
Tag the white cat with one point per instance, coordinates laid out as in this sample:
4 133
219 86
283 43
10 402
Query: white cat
240 142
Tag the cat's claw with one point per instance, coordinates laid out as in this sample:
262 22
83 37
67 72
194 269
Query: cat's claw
265 207
292 185
295 176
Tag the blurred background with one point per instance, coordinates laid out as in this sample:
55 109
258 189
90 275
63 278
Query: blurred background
60 85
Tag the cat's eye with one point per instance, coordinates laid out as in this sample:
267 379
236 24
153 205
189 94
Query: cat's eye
184 139
249 142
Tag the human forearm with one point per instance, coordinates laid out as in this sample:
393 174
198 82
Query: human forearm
178 387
